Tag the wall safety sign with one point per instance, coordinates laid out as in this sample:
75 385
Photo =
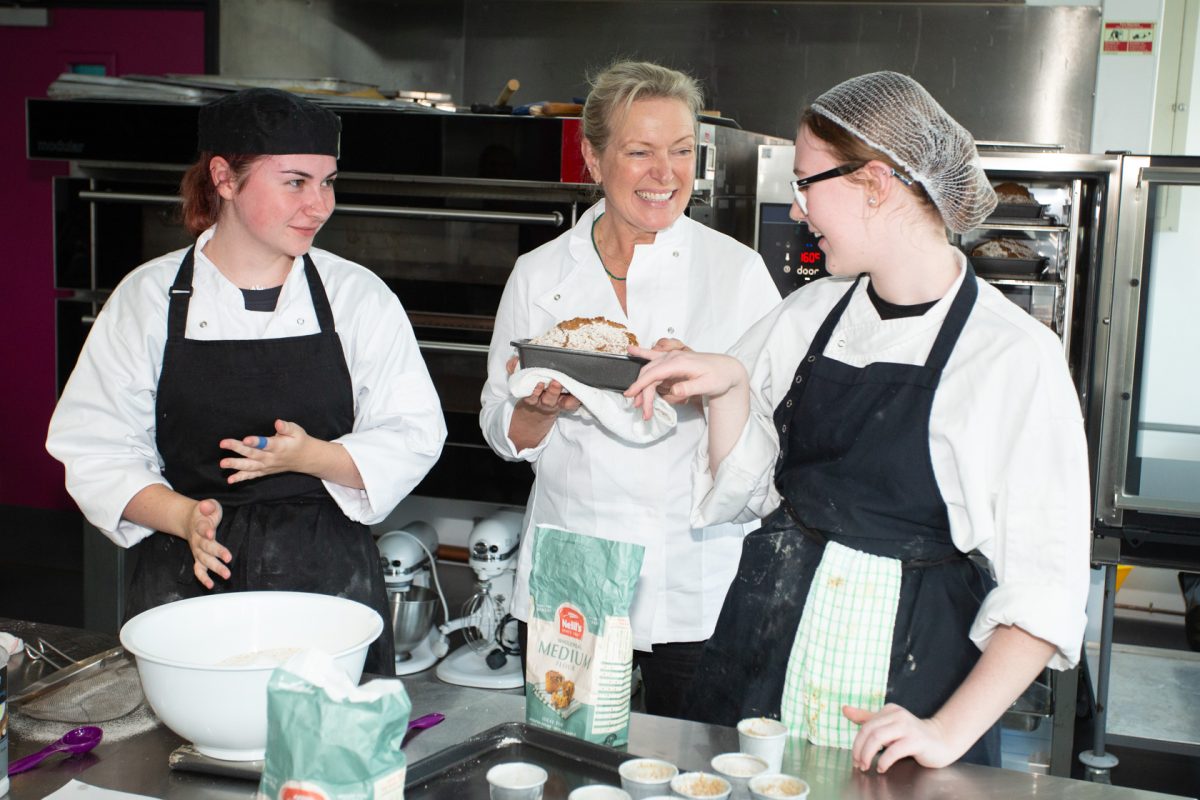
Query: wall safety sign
1128 37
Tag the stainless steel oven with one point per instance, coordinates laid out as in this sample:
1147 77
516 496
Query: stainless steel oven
1147 407
1061 228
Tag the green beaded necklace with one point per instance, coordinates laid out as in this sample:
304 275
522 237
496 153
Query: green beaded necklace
597 249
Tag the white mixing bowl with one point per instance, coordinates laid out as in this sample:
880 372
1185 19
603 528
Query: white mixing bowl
205 662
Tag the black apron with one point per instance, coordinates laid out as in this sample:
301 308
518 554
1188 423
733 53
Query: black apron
284 531
854 468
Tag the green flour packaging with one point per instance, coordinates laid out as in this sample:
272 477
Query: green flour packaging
328 739
577 670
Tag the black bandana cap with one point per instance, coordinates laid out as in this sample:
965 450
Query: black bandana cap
268 122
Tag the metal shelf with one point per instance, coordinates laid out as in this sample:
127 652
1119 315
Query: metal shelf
1012 226
1065 242
1057 285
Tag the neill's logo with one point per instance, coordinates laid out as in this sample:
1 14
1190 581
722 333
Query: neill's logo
301 790
570 622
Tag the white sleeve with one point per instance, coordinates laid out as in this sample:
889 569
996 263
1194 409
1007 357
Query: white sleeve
398 425
103 427
744 487
497 403
1041 514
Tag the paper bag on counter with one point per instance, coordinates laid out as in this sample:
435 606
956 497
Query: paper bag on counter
328 739
580 652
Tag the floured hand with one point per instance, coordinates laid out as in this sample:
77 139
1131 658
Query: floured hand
201 534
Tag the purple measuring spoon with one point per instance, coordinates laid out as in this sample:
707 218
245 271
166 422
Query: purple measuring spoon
421 723
76 741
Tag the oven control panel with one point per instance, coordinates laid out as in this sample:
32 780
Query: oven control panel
787 247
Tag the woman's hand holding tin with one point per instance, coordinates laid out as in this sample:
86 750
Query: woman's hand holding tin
549 398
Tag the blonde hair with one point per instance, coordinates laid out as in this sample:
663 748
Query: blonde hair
619 85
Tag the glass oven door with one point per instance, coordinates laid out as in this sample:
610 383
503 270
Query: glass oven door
1148 474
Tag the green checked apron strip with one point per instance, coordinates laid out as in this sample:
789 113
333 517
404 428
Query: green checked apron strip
843 645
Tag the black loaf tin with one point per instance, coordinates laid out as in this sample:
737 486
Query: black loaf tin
601 370
1019 211
1016 267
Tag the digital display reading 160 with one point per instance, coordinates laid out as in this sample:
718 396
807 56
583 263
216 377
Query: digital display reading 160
788 248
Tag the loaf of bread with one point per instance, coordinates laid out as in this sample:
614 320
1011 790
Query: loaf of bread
1004 248
1011 193
596 334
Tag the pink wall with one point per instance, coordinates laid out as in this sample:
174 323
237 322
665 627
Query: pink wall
128 42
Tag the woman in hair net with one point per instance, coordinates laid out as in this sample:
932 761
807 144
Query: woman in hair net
886 422
243 409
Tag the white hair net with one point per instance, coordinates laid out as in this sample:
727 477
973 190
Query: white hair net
895 115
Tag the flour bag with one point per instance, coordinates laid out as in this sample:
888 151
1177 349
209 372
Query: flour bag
328 739
580 650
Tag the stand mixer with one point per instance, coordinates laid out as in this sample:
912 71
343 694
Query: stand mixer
407 556
490 658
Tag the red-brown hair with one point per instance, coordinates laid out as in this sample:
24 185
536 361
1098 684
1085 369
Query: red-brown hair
201 201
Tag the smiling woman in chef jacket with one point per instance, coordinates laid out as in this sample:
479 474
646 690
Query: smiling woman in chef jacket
633 258
244 408
886 422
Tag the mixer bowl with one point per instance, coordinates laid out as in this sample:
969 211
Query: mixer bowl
412 618
205 662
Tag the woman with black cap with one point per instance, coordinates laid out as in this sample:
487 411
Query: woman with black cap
243 409
886 422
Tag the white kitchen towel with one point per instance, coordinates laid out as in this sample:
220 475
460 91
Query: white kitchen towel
78 789
613 410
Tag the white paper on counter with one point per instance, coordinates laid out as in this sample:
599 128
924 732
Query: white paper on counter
76 789
11 644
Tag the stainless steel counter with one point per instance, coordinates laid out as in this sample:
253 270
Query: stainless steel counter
139 764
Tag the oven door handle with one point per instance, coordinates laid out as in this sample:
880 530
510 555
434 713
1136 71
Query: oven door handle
129 197
452 347
554 219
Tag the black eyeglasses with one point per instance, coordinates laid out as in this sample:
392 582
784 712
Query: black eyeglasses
836 172
804 183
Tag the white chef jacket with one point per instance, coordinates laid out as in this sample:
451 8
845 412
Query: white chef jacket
693 284
103 429
1006 440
